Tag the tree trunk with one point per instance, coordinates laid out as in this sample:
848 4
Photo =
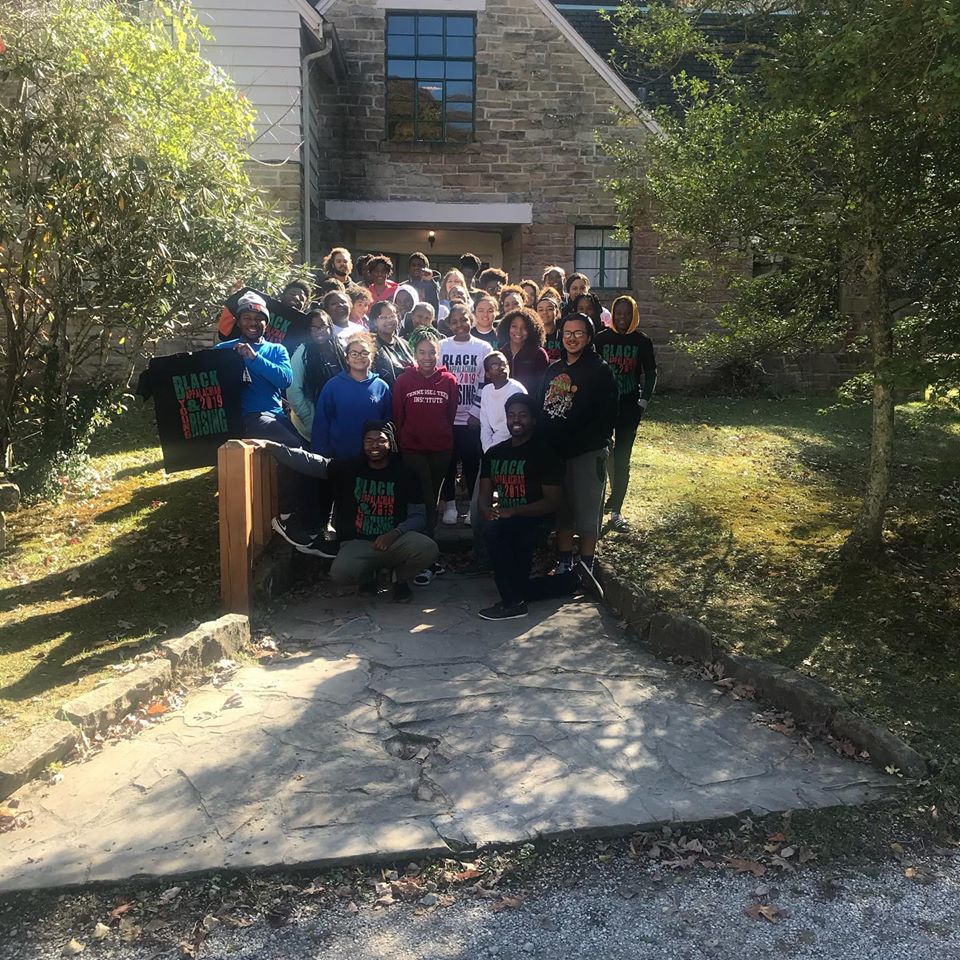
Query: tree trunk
866 538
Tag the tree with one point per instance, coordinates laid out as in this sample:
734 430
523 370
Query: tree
821 138
125 208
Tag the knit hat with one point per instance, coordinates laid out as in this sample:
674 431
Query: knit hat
252 302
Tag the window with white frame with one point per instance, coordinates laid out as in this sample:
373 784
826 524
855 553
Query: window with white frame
602 257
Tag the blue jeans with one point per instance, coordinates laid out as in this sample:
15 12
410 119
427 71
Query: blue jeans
291 492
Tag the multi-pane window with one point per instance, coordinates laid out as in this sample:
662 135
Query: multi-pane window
603 258
430 77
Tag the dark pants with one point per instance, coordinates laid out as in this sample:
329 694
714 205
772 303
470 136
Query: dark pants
510 544
466 449
292 488
430 469
624 434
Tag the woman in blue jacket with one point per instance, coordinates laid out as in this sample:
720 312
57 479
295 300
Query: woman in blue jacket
348 400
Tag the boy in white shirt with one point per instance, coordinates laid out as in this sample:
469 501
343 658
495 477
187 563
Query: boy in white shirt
490 407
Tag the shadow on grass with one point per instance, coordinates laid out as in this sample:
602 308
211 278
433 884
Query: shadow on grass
164 573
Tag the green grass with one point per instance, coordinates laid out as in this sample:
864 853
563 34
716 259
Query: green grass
93 581
738 508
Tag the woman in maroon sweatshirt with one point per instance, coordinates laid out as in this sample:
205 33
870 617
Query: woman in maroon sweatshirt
425 400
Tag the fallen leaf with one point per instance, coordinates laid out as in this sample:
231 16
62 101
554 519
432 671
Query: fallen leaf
776 838
120 910
897 848
129 931
787 852
100 931
747 866
351 907
124 624
157 709
169 894
468 874
761 911
73 576
910 872
806 855
506 903
73 948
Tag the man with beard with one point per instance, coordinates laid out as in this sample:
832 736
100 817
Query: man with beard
520 493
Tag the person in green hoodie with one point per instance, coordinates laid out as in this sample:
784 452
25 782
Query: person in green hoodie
629 353
579 403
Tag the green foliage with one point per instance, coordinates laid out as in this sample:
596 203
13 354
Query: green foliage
817 192
125 208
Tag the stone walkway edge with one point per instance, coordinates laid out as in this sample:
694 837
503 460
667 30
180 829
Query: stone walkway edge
809 701
97 709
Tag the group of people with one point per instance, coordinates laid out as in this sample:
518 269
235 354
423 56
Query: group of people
382 393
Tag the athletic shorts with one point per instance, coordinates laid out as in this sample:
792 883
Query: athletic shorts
584 484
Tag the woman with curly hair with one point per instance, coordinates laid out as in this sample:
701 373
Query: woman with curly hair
521 339
531 293
381 286
511 298
452 278
548 309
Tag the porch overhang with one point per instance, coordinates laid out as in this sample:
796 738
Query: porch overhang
417 212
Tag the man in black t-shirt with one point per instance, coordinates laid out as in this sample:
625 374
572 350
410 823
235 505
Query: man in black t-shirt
519 494
379 513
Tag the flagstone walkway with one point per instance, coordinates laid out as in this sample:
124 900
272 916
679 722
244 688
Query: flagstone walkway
401 731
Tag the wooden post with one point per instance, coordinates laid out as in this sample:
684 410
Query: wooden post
234 479
264 498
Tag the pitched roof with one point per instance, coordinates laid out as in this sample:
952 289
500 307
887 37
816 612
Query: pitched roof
651 86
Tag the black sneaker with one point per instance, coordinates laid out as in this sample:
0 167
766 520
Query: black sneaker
319 546
499 612
588 581
402 592
294 535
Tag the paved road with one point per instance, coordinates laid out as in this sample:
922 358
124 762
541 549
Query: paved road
397 731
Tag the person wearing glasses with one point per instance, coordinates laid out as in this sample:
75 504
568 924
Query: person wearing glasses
579 402
348 400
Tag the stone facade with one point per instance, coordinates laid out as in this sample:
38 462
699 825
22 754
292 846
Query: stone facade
282 187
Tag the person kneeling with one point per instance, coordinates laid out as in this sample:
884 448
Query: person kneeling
525 476
379 513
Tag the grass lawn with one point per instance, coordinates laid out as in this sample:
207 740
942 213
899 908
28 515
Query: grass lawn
738 508
104 575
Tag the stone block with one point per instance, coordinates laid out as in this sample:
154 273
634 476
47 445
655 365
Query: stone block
210 642
42 746
672 635
9 497
635 606
809 700
885 748
99 708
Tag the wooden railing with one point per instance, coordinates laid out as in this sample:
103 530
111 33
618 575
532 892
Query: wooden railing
247 483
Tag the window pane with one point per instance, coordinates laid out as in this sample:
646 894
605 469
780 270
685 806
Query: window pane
591 276
459 90
459 70
431 131
459 112
400 68
588 260
430 69
589 238
459 46
459 26
401 46
617 259
609 240
431 25
615 278
400 24
399 108
430 47
460 132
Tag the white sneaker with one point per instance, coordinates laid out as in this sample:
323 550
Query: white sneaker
466 518
450 513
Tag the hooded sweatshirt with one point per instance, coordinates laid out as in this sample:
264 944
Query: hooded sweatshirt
344 405
424 409
579 403
631 357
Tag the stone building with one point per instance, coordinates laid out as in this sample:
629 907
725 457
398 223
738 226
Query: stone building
446 126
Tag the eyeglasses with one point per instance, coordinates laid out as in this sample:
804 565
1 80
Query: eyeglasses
575 335
358 353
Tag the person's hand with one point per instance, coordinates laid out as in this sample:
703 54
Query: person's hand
246 351
492 514
386 540
505 513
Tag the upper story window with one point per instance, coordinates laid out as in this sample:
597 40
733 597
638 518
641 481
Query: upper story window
603 258
430 77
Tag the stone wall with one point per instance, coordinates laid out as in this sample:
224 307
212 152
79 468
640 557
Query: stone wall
280 183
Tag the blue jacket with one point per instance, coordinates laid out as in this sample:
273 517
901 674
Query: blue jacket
344 405
270 374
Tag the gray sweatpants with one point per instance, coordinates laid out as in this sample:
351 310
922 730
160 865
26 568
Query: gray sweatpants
358 562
